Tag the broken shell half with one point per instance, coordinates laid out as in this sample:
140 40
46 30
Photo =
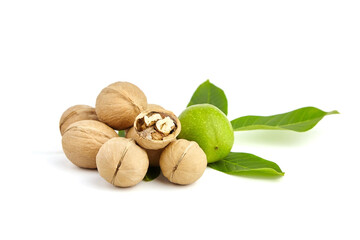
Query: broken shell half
155 129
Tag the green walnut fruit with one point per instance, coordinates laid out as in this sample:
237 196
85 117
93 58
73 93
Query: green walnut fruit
209 127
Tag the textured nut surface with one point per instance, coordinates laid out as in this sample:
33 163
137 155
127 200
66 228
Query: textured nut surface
154 107
74 114
183 162
82 140
152 132
118 104
121 162
153 155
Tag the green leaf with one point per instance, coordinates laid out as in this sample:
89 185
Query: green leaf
209 93
121 133
152 173
299 120
246 164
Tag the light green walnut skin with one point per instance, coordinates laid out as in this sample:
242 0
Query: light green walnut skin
209 127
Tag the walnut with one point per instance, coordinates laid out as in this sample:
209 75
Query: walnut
82 140
121 162
74 114
183 162
118 104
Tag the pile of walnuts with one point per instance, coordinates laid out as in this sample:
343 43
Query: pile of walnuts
89 139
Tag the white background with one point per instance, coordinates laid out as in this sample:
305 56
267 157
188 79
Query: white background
268 56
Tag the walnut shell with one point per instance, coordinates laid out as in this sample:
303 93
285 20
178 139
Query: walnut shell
183 162
74 114
118 104
153 155
154 107
121 162
82 140
152 136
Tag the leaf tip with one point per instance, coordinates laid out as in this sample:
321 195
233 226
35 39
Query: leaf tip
333 112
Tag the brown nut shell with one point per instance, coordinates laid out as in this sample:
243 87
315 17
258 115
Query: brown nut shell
183 162
154 107
82 140
74 114
153 155
156 140
121 162
118 104
130 133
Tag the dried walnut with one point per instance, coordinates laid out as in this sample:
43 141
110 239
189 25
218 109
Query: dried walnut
121 162
82 140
